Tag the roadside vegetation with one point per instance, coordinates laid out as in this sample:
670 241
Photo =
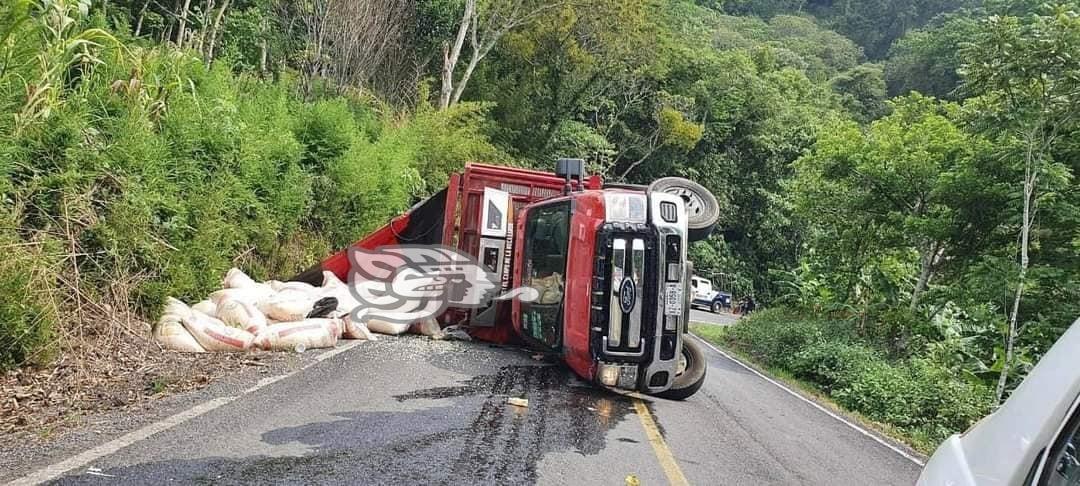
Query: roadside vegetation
934 249
133 172
913 399
897 178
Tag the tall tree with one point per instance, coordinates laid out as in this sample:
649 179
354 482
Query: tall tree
353 42
899 185
1028 74
484 23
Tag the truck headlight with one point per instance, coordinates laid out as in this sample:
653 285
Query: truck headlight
617 375
609 375
624 207
674 272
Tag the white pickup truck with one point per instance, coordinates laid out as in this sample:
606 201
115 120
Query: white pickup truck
1031 440
703 295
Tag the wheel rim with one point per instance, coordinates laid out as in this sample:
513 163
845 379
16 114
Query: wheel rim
684 362
694 204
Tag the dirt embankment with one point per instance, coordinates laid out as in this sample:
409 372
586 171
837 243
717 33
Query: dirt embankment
40 403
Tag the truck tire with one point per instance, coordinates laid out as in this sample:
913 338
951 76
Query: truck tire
692 377
629 187
717 307
701 205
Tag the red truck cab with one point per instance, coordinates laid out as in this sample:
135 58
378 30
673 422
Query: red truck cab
608 264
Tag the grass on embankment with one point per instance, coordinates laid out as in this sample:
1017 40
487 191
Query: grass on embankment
714 335
912 400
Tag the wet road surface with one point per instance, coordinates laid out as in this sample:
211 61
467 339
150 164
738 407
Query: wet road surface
414 411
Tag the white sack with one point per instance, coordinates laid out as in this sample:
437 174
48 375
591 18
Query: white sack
427 327
345 300
299 286
206 307
355 330
383 327
242 315
176 307
330 280
252 295
288 306
309 333
237 279
214 335
170 333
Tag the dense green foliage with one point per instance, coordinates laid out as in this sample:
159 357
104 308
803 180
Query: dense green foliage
143 165
900 174
873 24
919 398
939 241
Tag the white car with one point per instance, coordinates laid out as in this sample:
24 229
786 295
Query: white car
1031 440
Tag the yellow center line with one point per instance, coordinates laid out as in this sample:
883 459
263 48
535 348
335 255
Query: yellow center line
663 452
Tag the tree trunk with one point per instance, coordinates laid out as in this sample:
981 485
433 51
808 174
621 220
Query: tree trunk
180 34
167 32
263 53
477 54
575 98
214 31
1030 178
199 42
927 260
142 15
653 146
452 54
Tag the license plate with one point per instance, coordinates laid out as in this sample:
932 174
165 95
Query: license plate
673 299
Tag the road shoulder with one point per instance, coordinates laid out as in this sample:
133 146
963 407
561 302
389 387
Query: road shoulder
29 452
875 431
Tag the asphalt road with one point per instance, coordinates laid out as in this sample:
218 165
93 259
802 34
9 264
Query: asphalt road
701 315
415 411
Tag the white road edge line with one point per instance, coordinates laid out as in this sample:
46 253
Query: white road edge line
54 471
816 405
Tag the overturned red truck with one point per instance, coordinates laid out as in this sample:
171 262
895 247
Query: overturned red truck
611 259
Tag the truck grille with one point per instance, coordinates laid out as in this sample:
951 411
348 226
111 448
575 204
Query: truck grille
624 292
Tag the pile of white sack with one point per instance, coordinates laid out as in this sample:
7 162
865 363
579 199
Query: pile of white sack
272 315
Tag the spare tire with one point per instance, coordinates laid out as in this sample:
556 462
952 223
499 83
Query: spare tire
631 187
702 208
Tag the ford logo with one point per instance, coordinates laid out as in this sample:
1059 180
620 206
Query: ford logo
627 295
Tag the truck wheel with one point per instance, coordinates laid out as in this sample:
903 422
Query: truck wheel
691 374
701 205
717 307
631 187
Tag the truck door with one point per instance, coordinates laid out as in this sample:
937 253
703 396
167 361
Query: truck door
547 239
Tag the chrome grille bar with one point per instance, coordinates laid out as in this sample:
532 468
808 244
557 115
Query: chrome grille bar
618 270
637 266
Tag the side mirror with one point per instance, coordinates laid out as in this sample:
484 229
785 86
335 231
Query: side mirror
570 169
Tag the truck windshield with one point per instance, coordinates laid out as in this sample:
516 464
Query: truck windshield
547 230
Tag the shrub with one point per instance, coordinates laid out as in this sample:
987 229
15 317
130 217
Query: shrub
918 397
831 364
28 315
161 168
921 398
775 335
